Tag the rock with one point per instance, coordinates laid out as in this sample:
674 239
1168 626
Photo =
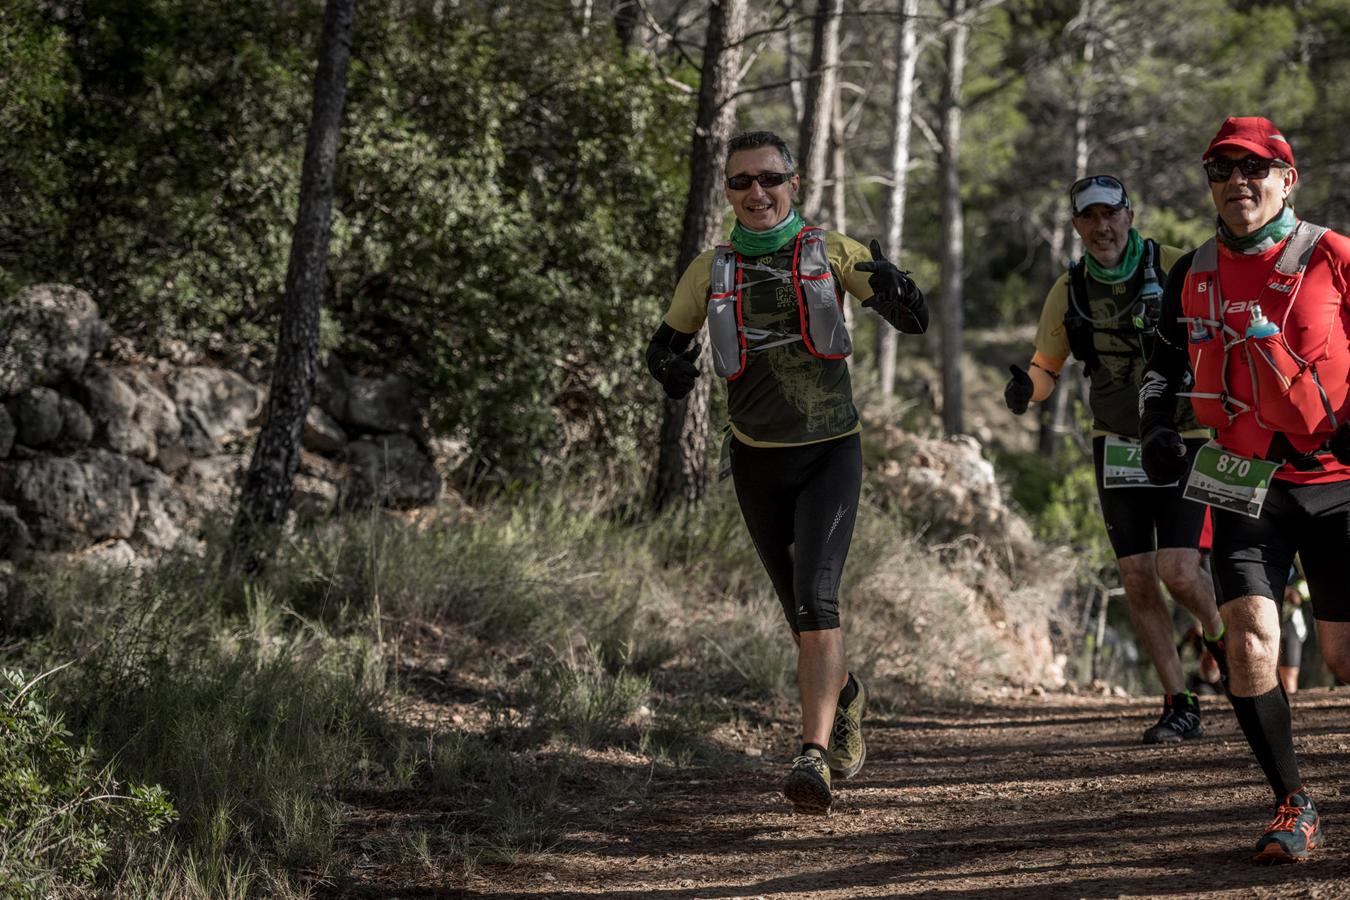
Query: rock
7 432
69 502
37 414
77 429
112 406
216 407
162 512
381 405
211 485
15 541
313 498
389 470
322 433
330 387
47 334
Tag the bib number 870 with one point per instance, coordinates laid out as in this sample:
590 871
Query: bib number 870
1233 465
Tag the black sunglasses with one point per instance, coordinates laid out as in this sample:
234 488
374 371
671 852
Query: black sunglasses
765 179
1220 168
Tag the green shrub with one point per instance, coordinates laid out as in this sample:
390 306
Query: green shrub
60 813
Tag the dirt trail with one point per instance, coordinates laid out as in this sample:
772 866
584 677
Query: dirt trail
1043 797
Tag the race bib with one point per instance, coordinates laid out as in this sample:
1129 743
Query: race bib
1121 466
1225 480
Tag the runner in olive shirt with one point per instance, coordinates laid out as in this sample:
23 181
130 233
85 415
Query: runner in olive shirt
1103 312
796 457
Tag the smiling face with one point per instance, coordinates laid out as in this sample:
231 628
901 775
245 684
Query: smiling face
1105 232
759 208
1245 204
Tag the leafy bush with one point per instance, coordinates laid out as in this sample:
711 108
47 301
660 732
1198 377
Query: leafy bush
60 813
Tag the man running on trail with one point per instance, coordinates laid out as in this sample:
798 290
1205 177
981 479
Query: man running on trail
1258 316
1103 311
773 300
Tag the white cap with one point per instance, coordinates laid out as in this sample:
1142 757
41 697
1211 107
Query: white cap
1101 189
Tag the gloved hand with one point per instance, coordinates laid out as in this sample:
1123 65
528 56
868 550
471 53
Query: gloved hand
1017 394
892 290
677 372
1163 455
1339 445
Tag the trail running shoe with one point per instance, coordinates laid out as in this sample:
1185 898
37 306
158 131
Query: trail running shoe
1294 834
808 784
1217 650
1180 721
848 750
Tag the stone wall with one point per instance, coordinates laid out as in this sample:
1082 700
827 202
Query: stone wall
100 455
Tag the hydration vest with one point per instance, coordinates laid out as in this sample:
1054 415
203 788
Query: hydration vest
1299 376
819 305
1139 325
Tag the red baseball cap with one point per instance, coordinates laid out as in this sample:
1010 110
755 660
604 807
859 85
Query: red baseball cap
1254 133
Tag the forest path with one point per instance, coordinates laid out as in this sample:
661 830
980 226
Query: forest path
1038 797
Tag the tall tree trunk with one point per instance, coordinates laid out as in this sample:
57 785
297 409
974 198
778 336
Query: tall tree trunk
839 180
681 468
814 138
1055 418
901 115
952 311
267 489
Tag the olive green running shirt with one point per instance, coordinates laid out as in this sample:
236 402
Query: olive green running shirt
1114 387
785 396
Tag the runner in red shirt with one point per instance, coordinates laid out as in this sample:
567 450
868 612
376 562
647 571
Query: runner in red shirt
1259 317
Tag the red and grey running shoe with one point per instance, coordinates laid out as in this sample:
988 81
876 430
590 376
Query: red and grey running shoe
1294 834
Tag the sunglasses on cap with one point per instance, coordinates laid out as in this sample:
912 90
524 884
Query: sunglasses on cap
1103 189
1220 168
766 180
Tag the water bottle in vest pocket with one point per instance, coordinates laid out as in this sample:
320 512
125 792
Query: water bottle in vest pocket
823 326
724 315
1288 392
1207 398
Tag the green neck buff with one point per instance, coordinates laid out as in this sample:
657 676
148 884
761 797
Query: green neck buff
1129 261
1263 238
762 243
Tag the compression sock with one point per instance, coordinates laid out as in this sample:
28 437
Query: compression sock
1268 725
849 692
823 752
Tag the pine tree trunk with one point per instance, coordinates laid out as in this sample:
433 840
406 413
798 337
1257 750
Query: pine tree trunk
266 495
682 466
953 250
822 78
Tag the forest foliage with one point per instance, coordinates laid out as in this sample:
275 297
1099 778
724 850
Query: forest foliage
511 177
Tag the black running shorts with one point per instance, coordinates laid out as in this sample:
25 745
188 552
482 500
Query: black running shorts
799 504
1252 556
1134 515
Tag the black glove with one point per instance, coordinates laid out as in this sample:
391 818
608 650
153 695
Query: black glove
677 372
892 290
1018 392
1339 445
1163 455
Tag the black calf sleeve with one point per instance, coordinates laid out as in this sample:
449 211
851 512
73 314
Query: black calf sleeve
1268 725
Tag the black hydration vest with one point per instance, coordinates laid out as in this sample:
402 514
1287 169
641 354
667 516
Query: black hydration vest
1138 326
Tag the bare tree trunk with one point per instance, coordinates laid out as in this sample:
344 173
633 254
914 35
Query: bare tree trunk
813 141
952 311
681 469
839 181
902 112
794 71
1055 419
267 489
